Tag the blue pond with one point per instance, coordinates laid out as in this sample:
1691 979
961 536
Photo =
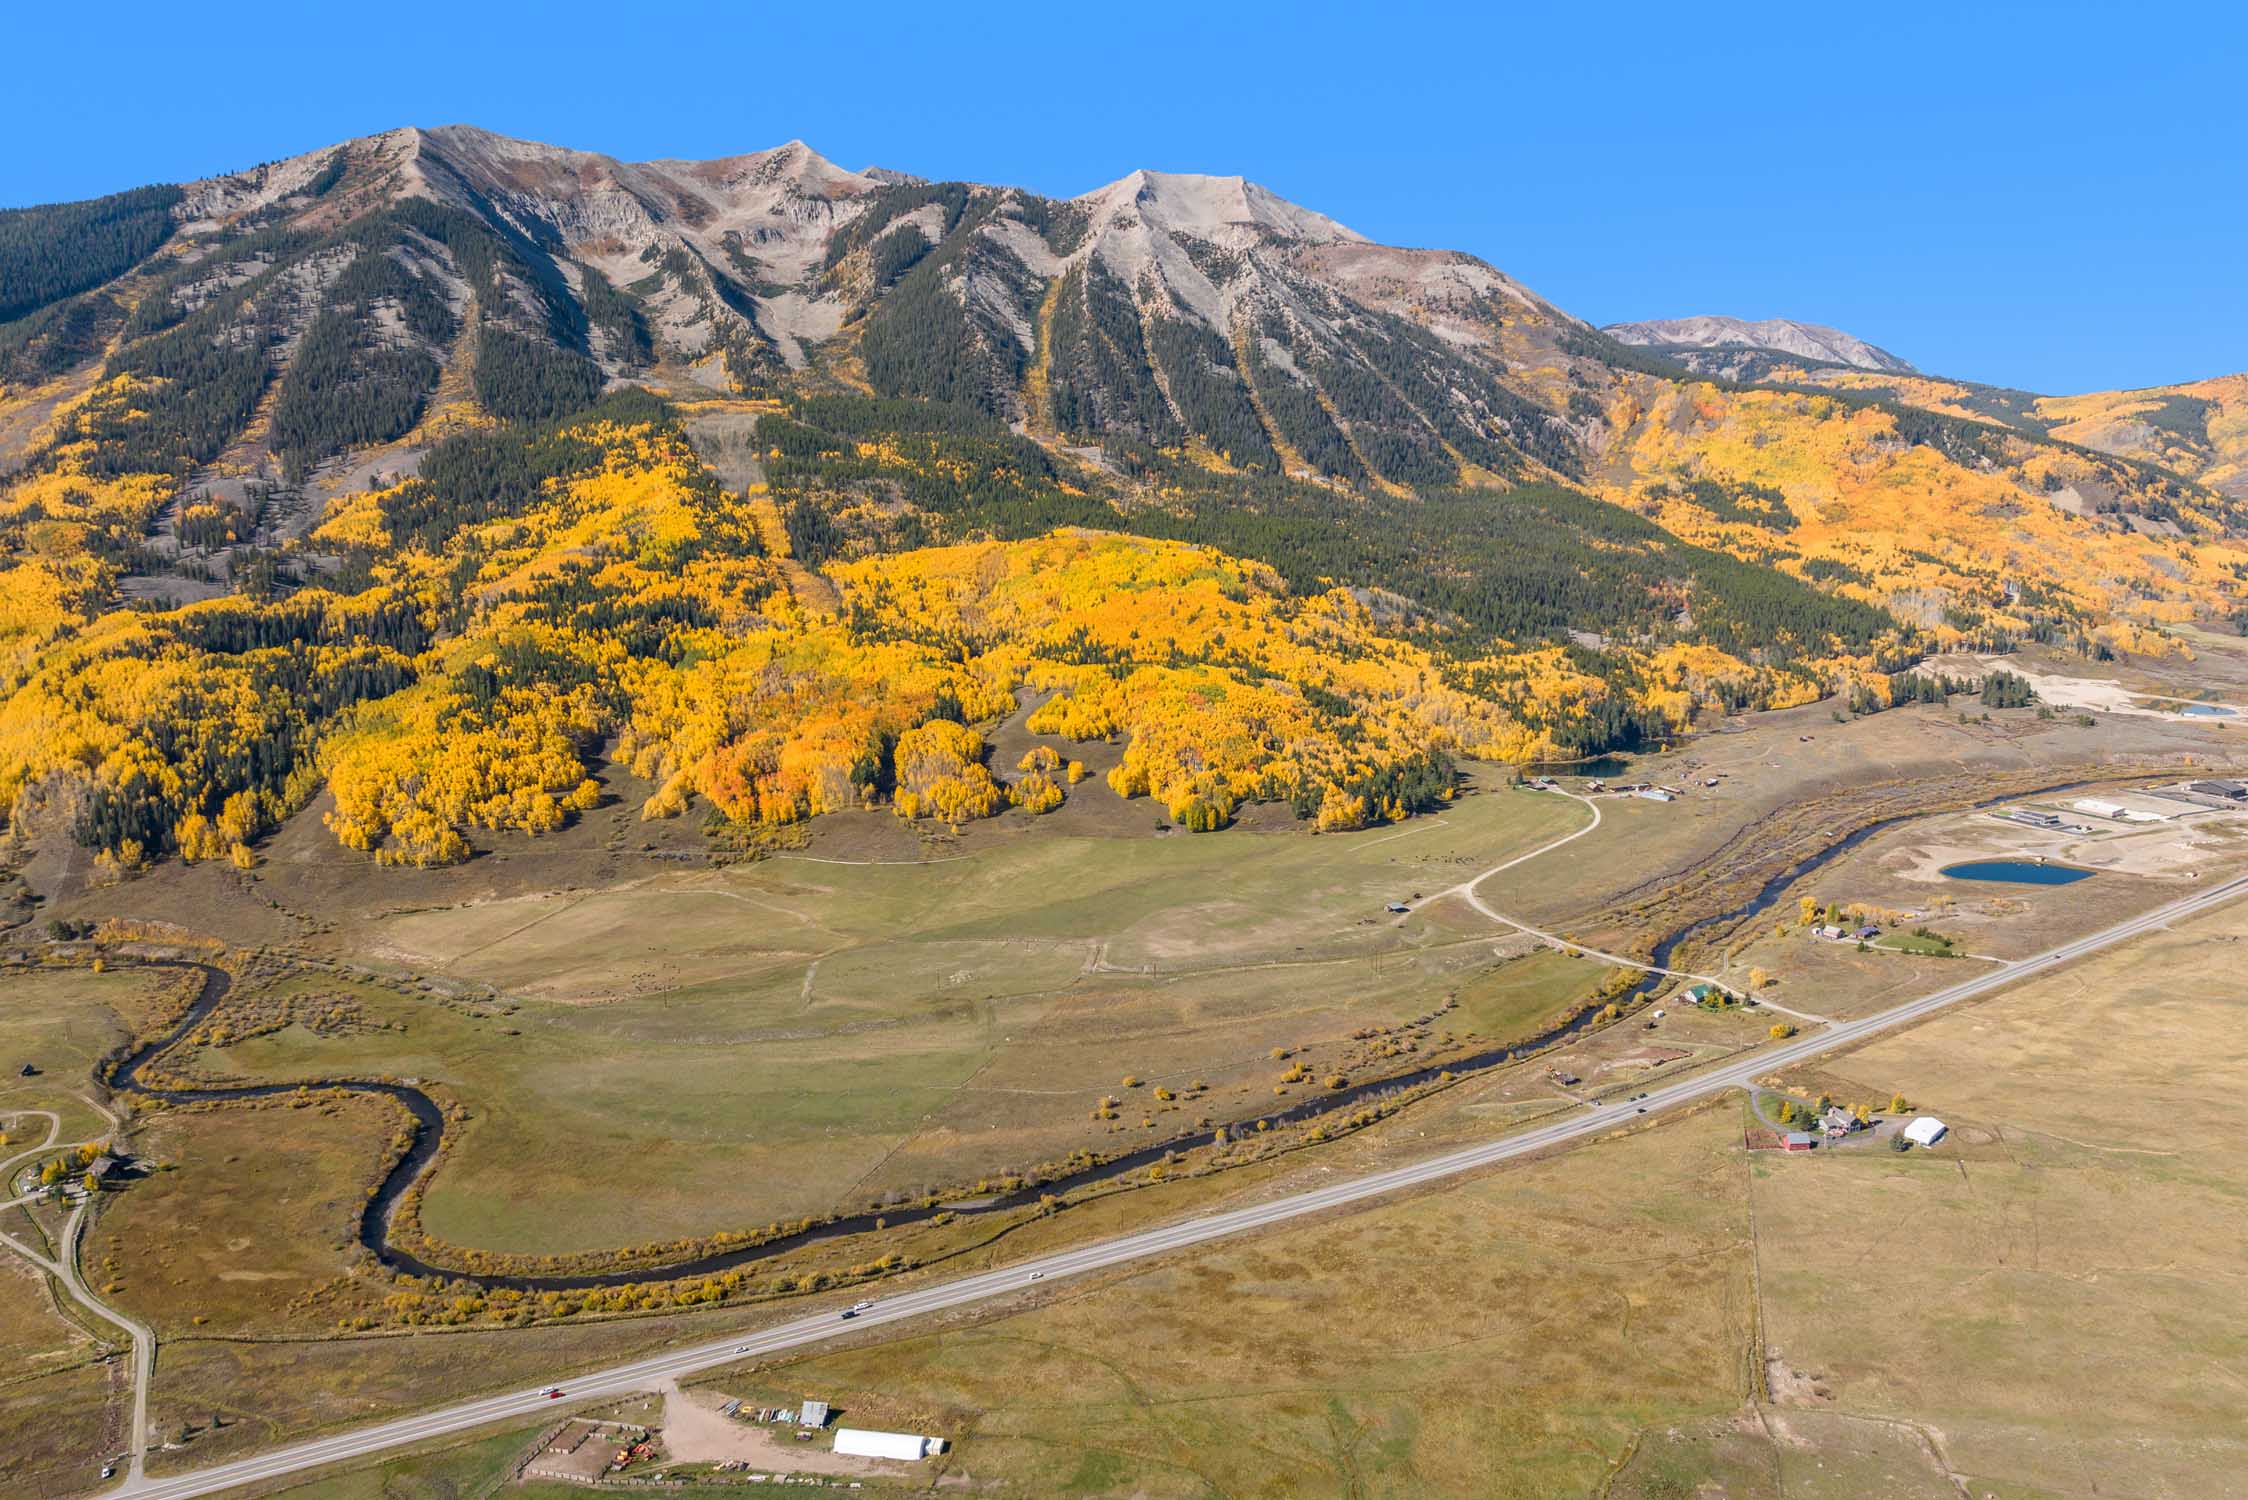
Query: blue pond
2016 872
2207 710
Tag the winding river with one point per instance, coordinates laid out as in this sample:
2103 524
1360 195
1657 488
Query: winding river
123 1075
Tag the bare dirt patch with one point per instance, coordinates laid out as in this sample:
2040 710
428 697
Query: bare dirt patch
696 1431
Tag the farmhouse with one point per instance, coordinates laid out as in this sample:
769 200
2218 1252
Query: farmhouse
1838 1122
862 1443
1926 1131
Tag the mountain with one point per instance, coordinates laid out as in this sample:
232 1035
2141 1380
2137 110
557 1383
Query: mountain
431 471
1163 307
1729 346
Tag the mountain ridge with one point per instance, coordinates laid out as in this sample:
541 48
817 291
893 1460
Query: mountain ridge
1702 336
439 436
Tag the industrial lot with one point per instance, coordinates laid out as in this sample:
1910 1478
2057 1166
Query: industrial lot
697 1435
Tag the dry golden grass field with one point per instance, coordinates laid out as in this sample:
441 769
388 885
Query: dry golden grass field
2048 1304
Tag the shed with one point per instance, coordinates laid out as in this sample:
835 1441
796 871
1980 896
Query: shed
903 1445
1800 1140
812 1413
1656 794
1926 1131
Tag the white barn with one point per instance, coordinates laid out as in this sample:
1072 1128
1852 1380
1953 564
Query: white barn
862 1443
1926 1130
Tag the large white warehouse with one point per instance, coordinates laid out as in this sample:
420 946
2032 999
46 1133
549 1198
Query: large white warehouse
1926 1130
861 1443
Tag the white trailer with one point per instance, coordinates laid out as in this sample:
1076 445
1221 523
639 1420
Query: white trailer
862 1443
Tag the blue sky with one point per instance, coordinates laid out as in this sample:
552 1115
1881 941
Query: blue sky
2050 196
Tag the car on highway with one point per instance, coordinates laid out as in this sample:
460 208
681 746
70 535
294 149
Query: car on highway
741 1348
1038 1276
855 1309
553 1393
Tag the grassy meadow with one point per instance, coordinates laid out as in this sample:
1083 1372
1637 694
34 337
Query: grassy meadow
715 1049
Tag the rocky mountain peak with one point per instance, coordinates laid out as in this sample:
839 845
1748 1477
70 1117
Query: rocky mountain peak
1212 208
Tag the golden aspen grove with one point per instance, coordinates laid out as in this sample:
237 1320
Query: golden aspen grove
630 610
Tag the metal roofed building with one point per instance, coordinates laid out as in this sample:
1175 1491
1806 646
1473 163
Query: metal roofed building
1926 1131
812 1413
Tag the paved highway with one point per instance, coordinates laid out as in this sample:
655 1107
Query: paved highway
639 1375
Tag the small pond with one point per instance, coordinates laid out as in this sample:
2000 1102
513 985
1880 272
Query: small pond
2207 710
2016 872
